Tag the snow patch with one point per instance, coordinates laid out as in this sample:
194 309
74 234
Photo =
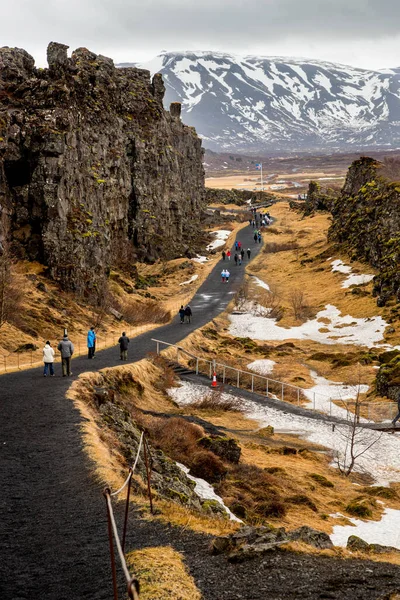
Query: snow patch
328 327
338 266
193 278
263 366
206 492
221 236
385 532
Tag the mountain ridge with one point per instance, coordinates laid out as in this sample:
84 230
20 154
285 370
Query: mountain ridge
252 103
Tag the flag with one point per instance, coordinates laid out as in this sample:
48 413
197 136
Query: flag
259 166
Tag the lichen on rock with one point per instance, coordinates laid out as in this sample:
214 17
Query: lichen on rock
92 168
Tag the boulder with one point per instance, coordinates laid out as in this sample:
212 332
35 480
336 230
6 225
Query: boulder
226 448
356 544
312 537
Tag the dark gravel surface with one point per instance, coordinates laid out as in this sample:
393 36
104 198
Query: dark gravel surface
53 533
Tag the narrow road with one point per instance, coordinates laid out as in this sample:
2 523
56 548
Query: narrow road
53 533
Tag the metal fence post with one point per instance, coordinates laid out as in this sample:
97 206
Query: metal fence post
330 406
197 366
210 370
298 396
238 379
252 383
314 400
267 387
223 374
283 393
158 348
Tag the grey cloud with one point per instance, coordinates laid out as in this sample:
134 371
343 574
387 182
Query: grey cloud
106 26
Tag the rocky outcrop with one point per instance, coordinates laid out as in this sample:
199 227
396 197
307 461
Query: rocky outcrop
366 221
388 377
93 171
356 544
319 198
239 197
250 542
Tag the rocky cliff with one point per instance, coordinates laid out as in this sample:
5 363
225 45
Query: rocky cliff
366 220
93 170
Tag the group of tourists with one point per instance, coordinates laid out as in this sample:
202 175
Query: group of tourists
66 349
225 276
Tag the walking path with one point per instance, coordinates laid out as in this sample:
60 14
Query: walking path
53 533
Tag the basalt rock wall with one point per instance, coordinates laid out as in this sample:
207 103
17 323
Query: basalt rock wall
366 221
93 170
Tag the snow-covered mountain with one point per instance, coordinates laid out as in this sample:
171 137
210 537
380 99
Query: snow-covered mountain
255 103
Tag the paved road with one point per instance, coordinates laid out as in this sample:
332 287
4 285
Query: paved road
53 542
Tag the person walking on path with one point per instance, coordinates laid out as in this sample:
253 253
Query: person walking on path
248 253
255 236
239 246
242 253
91 342
223 254
259 237
227 275
123 346
66 348
223 275
48 359
182 313
397 417
188 313
228 255
236 246
239 259
235 258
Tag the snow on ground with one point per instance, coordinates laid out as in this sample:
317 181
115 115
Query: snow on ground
193 278
205 491
338 266
385 532
261 283
262 366
221 236
200 259
320 394
328 327
382 460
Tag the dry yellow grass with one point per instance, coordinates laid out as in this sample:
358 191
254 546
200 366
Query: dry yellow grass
162 574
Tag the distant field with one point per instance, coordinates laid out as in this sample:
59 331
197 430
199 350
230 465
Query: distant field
285 175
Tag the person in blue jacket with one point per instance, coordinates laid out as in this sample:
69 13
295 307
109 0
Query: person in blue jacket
91 342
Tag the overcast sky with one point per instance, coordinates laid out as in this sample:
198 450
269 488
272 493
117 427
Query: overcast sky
362 33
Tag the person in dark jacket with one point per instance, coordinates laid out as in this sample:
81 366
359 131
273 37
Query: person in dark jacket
223 254
236 258
255 236
91 342
248 253
66 348
182 313
188 313
242 253
397 417
123 346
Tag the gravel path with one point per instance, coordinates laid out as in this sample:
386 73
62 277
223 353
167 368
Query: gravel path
53 533
53 538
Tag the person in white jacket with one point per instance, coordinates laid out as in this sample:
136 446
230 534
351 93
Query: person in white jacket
48 359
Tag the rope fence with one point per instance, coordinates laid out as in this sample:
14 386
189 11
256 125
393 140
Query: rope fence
114 539
278 390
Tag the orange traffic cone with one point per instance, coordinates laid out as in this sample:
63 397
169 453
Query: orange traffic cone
214 380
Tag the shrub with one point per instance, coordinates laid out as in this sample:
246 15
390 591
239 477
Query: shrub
208 466
322 480
382 492
274 247
301 499
217 401
360 507
272 507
